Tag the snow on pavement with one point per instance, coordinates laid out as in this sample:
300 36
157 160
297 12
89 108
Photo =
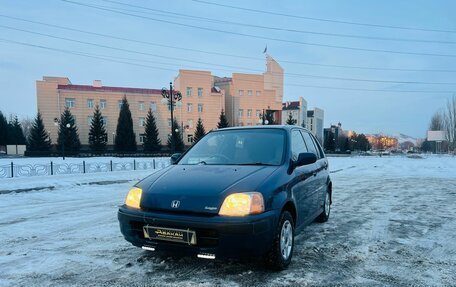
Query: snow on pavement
392 224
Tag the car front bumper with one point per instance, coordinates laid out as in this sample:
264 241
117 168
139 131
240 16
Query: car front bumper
223 237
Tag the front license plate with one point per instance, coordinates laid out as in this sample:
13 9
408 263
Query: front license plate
186 236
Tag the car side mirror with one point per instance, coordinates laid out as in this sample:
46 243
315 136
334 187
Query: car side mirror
175 158
305 158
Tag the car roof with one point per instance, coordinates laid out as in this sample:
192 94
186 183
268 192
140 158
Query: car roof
282 127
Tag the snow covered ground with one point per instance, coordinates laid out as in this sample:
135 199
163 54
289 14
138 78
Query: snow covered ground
392 224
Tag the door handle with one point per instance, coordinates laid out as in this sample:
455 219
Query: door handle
314 173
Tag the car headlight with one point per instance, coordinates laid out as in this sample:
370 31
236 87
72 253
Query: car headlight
134 197
241 204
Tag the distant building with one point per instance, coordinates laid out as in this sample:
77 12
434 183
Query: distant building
248 96
200 99
315 121
334 133
56 93
297 109
244 98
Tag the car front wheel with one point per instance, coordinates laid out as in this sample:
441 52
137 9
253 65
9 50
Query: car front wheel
279 256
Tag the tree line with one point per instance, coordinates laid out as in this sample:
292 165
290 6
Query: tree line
38 139
443 120
344 143
11 131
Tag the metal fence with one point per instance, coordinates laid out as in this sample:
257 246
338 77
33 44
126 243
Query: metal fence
51 168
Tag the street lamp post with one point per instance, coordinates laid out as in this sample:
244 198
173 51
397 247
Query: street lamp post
263 119
56 123
171 98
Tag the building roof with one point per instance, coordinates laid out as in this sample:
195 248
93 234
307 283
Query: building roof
88 88
290 105
222 80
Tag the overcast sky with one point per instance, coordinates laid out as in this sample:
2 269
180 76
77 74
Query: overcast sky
365 100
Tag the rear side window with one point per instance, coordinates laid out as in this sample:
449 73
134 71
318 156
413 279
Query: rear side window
310 144
297 145
317 144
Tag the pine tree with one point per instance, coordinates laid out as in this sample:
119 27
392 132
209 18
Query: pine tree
68 132
290 120
98 137
152 142
3 130
199 131
176 138
125 136
223 121
15 133
270 118
39 139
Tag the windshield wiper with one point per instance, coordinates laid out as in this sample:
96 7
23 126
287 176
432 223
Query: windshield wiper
202 162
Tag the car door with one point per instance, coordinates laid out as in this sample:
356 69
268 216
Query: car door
323 174
302 180
319 183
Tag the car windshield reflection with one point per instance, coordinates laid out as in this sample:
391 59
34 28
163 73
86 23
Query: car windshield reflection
238 147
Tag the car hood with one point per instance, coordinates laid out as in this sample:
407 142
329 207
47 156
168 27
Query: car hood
199 188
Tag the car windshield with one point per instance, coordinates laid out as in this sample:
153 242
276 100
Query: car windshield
238 147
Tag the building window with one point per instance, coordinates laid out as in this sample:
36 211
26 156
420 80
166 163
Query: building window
169 122
104 120
190 138
141 106
190 124
89 120
70 102
142 137
241 113
249 92
120 103
249 113
189 91
102 104
142 122
200 92
241 92
153 106
189 107
90 103
258 113
200 108
258 93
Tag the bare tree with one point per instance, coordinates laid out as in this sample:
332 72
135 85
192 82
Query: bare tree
26 124
437 122
450 122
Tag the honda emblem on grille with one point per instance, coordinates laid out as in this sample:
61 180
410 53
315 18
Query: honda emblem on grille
175 203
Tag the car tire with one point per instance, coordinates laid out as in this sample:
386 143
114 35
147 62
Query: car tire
324 216
279 256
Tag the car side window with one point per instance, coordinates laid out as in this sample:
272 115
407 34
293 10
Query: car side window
310 144
317 144
297 145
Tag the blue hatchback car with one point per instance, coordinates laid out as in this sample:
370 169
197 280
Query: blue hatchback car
238 192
